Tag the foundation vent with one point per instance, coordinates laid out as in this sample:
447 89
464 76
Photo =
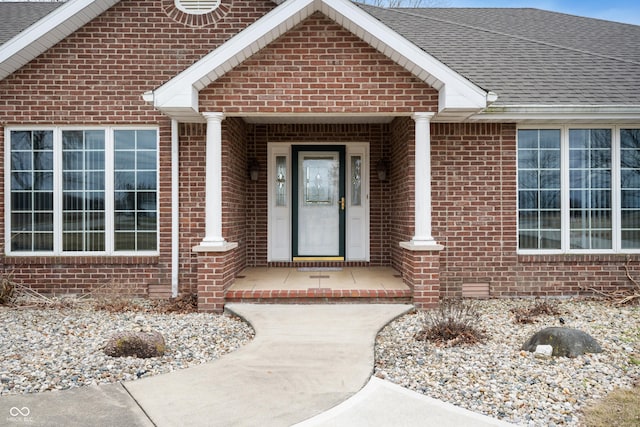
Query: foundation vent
475 290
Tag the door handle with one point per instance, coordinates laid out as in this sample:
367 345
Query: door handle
341 203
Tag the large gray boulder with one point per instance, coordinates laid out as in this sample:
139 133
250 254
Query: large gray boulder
135 344
566 342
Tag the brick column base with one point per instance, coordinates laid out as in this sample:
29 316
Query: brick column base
421 272
215 275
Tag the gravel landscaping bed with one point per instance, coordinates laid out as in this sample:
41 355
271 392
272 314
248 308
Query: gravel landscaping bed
45 349
496 378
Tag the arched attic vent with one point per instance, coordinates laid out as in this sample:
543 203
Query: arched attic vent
197 7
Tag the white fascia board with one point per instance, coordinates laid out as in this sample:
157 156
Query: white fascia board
456 92
559 113
48 31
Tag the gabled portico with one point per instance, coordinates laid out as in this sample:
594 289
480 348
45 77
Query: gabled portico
248 102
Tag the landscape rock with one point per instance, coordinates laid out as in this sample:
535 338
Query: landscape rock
543 351
135 344
566 342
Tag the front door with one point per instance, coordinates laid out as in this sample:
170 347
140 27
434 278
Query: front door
318 195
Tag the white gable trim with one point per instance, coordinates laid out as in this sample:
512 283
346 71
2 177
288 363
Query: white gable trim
48 31
178 98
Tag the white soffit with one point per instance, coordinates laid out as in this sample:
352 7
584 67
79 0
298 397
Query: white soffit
559 114
48 31
178 97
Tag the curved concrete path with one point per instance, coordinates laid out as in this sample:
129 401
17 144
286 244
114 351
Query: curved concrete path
305 359
308 364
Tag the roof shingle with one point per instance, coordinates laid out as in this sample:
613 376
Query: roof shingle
529 56
18 16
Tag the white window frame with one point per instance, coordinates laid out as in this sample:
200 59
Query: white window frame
565 189
58 197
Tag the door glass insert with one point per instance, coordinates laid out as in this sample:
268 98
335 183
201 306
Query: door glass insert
320 178
319 204
356 180
281 181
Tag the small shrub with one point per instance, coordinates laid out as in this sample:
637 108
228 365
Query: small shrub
7 290
187 303
116 305
529 315
452 323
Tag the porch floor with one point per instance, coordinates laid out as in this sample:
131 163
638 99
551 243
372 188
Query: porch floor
322 284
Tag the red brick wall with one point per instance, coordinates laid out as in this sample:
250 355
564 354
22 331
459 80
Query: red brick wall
474 202
257 204
401 184
192 201
475 217
214 279
318 67
421 272
261 135
235 179
97 76
570 274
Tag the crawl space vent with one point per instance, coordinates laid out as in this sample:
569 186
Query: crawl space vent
475 290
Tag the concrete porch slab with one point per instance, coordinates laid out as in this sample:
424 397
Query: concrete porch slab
305 279
319 285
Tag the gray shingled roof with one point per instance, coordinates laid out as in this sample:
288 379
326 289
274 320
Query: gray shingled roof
18 16
529 56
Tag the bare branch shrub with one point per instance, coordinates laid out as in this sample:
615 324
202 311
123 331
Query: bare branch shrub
529 315
7 289
454 322
621 297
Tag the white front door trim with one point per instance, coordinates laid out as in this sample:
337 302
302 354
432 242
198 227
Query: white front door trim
357 241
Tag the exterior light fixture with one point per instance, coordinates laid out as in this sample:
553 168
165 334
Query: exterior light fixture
382 168
254 169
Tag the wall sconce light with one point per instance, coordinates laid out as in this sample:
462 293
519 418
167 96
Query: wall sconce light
254 169
382 168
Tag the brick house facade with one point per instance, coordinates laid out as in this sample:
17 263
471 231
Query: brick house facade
214 92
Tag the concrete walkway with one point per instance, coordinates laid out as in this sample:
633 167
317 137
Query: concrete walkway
306 365
305 359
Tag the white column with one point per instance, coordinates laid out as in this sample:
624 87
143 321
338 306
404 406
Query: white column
422 189
213 189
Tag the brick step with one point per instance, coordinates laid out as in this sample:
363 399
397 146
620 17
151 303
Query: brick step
319 296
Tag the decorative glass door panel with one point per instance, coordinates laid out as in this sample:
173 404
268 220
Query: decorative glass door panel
319 202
